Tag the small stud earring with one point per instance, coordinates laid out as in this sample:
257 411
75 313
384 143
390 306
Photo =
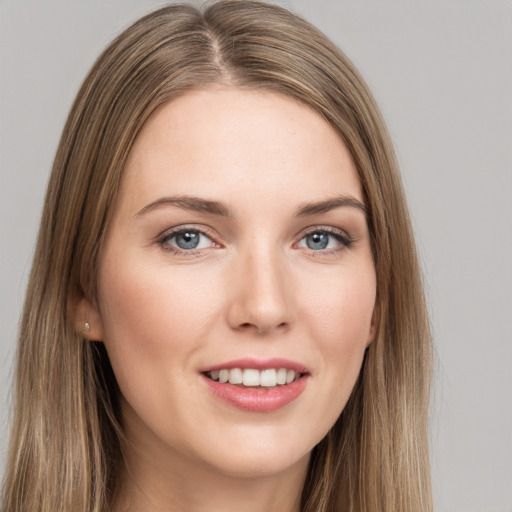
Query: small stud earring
87 326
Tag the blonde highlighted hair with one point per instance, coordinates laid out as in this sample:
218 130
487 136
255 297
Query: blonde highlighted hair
65 446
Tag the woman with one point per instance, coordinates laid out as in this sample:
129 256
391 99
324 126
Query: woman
225 309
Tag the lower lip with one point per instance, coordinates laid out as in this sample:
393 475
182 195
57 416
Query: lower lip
257 399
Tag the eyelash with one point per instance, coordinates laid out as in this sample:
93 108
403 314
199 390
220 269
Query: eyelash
340 236
163 241
344 240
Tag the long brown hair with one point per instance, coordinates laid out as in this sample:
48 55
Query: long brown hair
65 447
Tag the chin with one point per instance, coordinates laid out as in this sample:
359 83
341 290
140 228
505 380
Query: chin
264 453
262 465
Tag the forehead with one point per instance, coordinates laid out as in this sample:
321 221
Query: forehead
255 146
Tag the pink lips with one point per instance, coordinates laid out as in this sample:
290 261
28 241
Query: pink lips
258 399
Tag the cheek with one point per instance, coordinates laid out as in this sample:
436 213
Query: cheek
151 312
340 309
339 318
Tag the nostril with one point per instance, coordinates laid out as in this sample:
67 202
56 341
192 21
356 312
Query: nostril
260 328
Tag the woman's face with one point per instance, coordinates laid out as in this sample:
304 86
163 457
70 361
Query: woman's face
238 250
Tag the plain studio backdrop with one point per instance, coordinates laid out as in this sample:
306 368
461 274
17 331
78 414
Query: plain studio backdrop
442 73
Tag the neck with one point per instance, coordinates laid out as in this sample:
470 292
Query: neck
165 485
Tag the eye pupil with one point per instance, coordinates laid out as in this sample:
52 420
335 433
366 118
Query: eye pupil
317 241
187 240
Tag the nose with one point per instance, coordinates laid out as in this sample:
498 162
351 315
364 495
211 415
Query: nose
261 298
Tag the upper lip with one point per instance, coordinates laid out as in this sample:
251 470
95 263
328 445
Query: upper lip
258 364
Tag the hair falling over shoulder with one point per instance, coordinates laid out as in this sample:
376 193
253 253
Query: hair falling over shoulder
65 450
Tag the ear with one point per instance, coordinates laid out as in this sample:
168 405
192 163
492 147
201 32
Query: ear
88 320
374 325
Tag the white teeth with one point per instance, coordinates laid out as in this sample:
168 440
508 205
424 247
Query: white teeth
235 376
281 376
268 378
252 378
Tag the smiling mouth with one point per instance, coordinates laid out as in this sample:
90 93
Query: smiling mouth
251 377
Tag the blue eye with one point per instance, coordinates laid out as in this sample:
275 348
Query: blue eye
317 241
321 240
186 240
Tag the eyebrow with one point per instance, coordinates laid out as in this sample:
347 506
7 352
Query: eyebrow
330 204
198 204
195 204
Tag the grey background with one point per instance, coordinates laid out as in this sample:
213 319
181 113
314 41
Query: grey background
442 73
